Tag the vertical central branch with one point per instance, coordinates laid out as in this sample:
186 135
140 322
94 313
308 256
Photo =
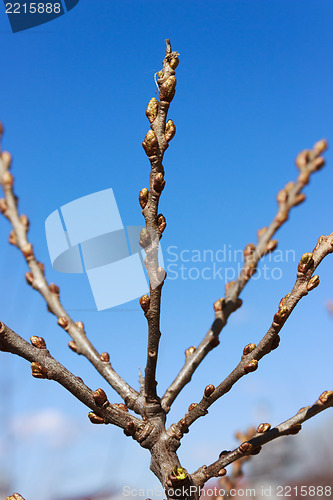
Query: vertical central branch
155 144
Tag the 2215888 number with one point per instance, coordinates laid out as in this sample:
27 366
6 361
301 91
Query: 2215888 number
33 8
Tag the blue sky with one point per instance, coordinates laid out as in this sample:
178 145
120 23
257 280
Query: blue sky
254 88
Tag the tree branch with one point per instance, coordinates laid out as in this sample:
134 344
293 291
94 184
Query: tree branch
155 145
50 292
43 365
305 282
308 162
264 435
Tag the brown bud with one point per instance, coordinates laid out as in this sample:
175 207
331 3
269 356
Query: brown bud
121 406
246 448
271 246
174 62
54 288
15 496
325 397
38 342
275 343
12 238
303 158
209 390
159 183
251 366
6 159
29 278
222 472
152 109
263 428
318 163
313 282
80 379
143 197
80 325
256 451
63 322
192 406
28 251
24 221
41 267
282 196
145 239
219 304
238 304
248 250
168 89
190 351
261 232
161 274
170 130
320 146
3 206
161 222
105 357
38 371
72 345
99 397
284 299
305 263
130 428
248 349
7 179
294 429
281 315
150 143
214 342
95 419
144 303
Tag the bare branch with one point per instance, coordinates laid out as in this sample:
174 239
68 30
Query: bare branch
305 282
264 435
43 365
155 145
308 162
50 292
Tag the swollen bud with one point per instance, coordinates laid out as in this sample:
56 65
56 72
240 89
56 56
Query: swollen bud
63 322
54 289
219 304
174 63
27 251
29 278
313 282
318 163
170 130
95 419
325 397
303 158
263 428
168 89
38 342
161 274
190 351
271 246
209 390
99 397
38 371
161 222
7 179
192 406
144 303
145 240
121 406
143 197
3 206
159 183
152 108
150 143
281 315
251 366
72 345
320 146
248 349
105 357
6 159
305 263
246 448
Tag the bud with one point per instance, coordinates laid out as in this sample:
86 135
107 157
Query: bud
221 472
261 232
283 300
7 179
38 371
161 222
281 216
320 146
209 390
271 246
144 303
263 428
160 74
190 351
299 199
63 322
174 63
38 342
281 315
305 263
313 282
229 285
289 186
105 357
276 342
95 419
80 325
28 251
121 406
3 206
80 379
6 159
30 278
304 177
15 496
246 448
219 304
303 158
239 303
282 196
143 197
145 240
54 289
130 428
192 406
159 183
41 266
152 109
161 274
302 409
248 349
72 345
248 250
168 89
12 238
294 429
251 366
24 221
325 397
214 342
99 397
150 143
170 130
318 163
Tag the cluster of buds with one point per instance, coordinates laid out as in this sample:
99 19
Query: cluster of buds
38 342
38 371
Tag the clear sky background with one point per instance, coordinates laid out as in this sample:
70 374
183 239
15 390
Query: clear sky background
254 88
